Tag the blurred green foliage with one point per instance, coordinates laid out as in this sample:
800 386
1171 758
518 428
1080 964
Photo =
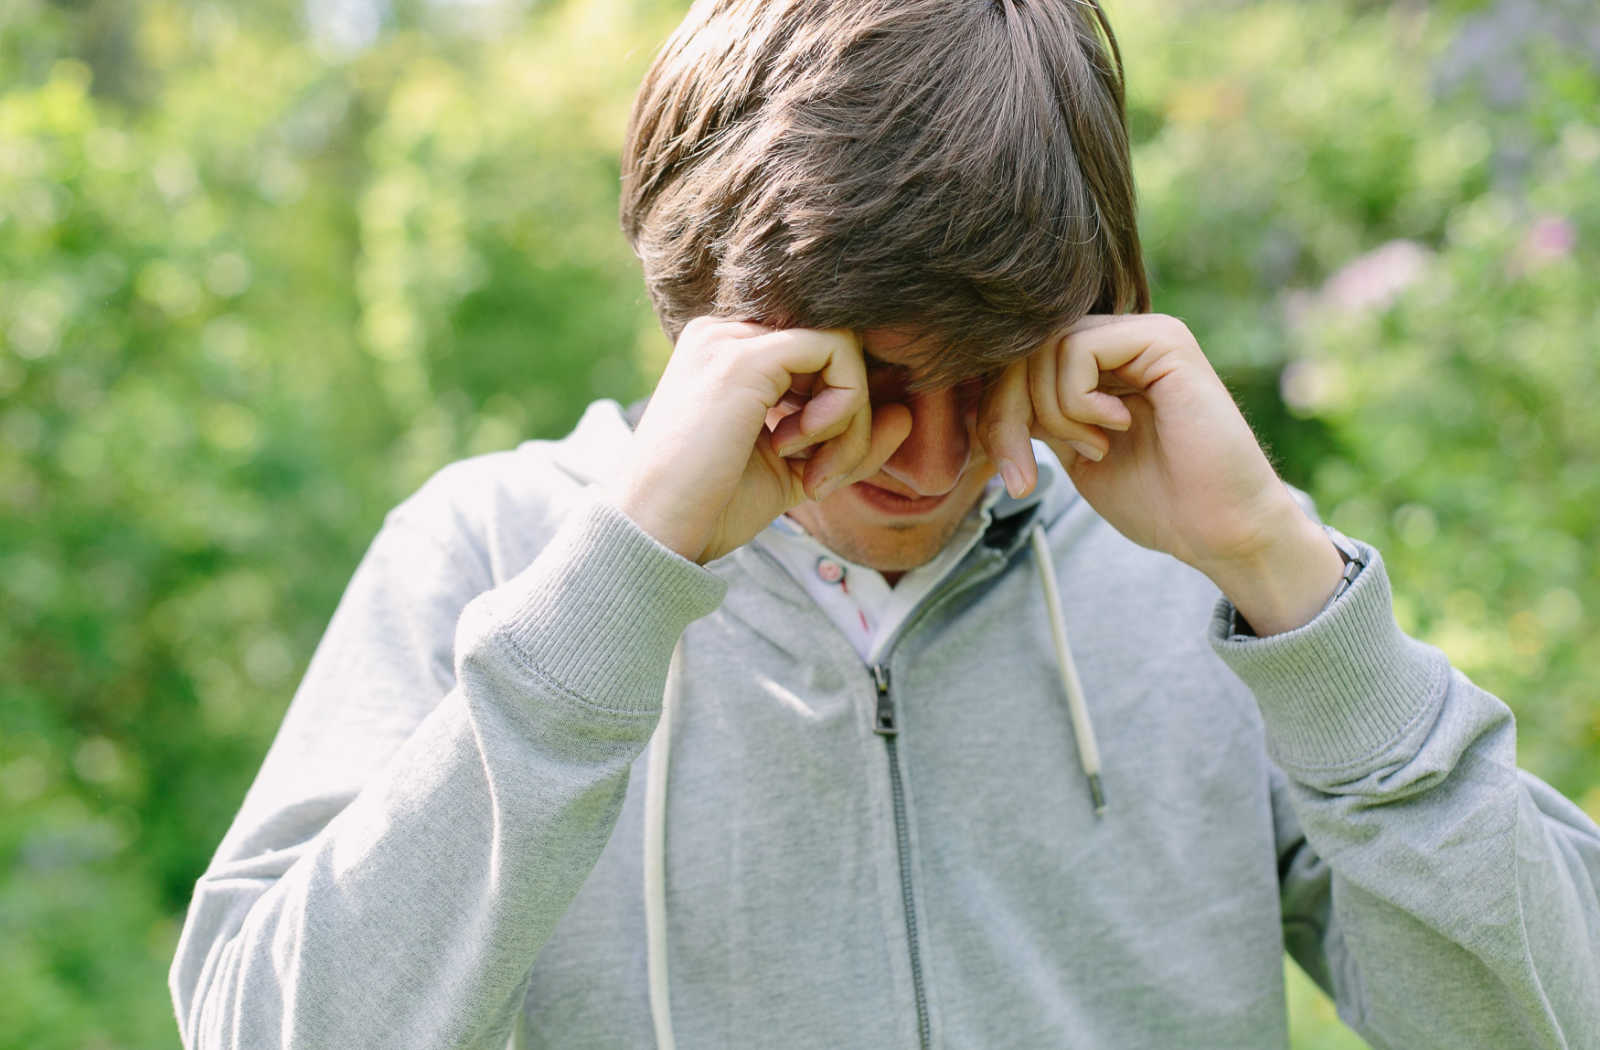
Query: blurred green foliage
257 282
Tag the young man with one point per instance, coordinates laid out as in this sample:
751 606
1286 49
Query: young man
893 240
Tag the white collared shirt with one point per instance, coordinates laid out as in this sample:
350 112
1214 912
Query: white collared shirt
858 600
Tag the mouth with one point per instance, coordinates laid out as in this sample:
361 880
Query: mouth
893 503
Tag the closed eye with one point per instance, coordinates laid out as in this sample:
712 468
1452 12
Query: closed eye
890 382
886 381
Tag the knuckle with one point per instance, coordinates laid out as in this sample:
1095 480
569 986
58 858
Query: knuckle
705 329
842 337
1175 330
995 431
1054 421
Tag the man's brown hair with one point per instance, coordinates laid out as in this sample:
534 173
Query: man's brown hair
956 168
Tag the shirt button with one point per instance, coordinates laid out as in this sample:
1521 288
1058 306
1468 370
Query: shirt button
829 571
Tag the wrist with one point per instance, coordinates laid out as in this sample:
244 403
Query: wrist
1287 580
671 526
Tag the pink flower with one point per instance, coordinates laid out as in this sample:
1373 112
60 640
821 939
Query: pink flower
1551 237
1374 280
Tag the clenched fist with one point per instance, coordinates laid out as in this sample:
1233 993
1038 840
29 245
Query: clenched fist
1153 440
707 473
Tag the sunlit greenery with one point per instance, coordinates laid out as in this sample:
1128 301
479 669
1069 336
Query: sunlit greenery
258 280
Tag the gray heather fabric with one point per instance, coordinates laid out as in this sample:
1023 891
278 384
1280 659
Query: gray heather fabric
443 844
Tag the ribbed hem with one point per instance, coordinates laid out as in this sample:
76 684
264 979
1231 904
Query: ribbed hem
600 610
1342 690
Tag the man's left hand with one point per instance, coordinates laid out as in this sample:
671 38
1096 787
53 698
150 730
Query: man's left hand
1153 440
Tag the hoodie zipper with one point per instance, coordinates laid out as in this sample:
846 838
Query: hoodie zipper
883 723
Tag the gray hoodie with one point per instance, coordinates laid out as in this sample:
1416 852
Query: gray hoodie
443 846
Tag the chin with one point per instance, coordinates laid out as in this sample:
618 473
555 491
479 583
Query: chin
890 549
857 532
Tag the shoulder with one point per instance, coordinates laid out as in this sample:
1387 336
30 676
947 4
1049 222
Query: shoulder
493 513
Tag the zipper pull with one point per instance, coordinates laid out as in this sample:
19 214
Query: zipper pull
883 721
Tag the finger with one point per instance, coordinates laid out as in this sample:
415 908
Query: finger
834 459
1089 442
828 414
1049 381
833 355
788 435
1141 349
1051 423
787 470
842 405
891 425
1077 388
1004 418
1043 391
1076 454
791 402
828 364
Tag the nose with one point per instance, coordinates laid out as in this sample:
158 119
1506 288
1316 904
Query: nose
936 453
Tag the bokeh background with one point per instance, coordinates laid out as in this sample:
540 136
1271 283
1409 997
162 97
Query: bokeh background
265 267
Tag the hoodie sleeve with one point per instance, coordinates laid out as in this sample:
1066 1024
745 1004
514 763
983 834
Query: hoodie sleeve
1442 896
443 783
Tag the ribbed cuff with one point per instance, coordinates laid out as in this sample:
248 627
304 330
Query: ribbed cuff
601 608
1342 690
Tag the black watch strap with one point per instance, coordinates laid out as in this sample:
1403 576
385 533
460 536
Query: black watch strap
1354 562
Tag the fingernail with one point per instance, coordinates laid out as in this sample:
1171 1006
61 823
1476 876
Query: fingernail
1012 476
828 488
1087 451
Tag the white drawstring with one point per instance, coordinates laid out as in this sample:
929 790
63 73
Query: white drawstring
1082 728
655 861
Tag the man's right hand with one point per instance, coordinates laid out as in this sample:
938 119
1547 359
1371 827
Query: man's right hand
746 423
